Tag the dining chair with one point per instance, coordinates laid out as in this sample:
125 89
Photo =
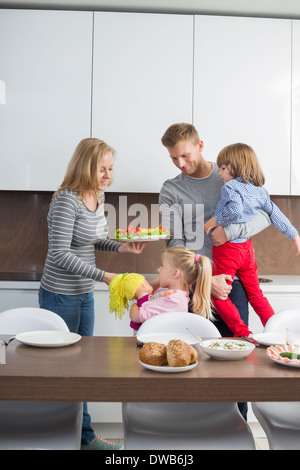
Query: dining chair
280 420
37 425
184 425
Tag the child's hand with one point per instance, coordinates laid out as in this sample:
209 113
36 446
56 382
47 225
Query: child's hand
168 292
134 313
297 244
210 224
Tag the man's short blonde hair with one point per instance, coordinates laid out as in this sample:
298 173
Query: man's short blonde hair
178 132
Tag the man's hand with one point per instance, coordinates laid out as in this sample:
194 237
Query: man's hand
219 287
218 236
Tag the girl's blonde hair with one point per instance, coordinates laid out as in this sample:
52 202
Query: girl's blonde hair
83 169
196 270
243 162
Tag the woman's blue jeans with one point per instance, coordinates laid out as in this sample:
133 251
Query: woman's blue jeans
79 314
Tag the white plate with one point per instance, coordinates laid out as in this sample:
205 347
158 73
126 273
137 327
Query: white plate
48 339
169 370
289 364
227 354
149 238
273 353
164 338
270 339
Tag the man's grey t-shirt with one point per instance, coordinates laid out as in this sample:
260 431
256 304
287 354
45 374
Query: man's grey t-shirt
186 203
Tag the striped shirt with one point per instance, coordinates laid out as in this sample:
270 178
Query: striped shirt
74 233
241 201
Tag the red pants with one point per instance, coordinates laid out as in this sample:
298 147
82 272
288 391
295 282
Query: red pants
239 258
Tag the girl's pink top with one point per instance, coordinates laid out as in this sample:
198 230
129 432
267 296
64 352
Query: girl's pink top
178 301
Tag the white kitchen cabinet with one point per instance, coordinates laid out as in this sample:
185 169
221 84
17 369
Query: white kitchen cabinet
295 166
279 301
142 83
46 63
105 322
283 293
18 295
243 90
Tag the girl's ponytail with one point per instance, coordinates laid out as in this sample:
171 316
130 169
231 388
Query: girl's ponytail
197 273
202 292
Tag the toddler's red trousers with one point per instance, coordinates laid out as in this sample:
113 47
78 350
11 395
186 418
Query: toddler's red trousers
239 259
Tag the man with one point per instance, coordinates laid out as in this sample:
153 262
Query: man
188 201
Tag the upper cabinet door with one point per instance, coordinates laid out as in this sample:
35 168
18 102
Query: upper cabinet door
242 90
142 83
295 167
46 62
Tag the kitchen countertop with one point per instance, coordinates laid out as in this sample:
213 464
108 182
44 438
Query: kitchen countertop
284 283
288 283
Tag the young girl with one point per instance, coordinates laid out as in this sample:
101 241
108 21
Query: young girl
241 197
180 269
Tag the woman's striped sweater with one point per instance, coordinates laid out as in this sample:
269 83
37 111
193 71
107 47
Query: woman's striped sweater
74 233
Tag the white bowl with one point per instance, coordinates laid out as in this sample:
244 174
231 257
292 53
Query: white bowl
225 349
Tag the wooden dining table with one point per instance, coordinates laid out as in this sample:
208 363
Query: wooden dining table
107 369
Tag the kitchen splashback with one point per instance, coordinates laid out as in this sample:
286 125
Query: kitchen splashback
23 236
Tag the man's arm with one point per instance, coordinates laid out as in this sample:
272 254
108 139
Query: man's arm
171 217
259 222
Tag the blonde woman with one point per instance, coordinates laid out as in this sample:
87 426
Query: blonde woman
76 228
242 196
180 270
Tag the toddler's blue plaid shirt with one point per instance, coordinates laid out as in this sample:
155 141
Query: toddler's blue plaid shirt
240 202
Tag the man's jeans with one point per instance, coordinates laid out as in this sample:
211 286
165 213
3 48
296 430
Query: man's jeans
78 313
239 298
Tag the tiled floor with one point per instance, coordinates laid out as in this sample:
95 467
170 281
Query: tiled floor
114 431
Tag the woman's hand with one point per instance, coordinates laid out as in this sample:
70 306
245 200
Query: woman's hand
219 286
132 247
108 277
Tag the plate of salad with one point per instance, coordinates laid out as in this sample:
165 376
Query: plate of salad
227 349
139 234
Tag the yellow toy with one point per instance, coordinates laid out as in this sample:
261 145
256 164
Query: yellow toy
126 287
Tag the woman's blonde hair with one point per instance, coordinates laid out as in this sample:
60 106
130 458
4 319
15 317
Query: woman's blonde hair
196 270
83 169
243 162
178 132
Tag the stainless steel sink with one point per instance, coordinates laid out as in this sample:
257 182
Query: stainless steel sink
263 280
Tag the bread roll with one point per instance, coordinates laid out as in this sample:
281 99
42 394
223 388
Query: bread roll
154 354
194 354
178 353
